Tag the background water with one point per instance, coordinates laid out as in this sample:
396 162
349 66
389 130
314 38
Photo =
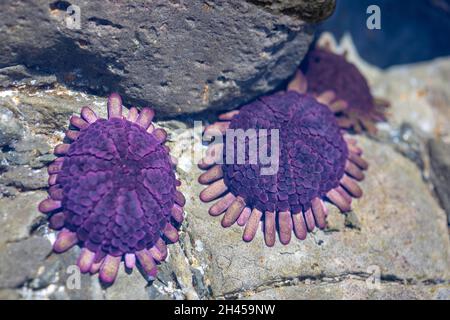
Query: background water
412 31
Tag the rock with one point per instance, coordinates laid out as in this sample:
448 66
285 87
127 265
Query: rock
312 11
18 215
401 230
353 289
128 287
9 295
19 75
422 99
177 56
440 171
60 279
19 261
25 178
32 150
397 228
48 111
10 128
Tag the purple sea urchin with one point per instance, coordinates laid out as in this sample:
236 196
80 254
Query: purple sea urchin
315 163
326 71
113 191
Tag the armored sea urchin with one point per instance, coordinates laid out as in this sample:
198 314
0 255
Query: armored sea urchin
315 163
326 71
113 191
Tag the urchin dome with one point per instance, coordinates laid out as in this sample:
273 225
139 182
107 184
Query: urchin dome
118 187
313 154
325 70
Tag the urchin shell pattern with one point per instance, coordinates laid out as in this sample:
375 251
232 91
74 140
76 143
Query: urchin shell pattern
326 71
316 163
114 192
312 154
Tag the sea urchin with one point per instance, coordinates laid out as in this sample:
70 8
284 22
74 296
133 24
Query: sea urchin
326 71
315 163
113 191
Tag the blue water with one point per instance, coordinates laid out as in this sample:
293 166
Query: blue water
411 30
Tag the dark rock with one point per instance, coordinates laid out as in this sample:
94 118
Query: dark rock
311 11
440 171
178 56
19 75
14 268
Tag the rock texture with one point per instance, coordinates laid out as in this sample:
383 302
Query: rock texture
398 228
393 245
311 11
440 171
181 56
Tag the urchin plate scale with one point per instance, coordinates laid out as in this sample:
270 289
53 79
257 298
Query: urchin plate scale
278 215
113 191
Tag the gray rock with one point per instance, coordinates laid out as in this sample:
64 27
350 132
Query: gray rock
178 56
25 178
47 112
312 11
440 171
128 286
19 75
18 215
352 289
401 230
61 273
31 150
10 128
8 294
19 261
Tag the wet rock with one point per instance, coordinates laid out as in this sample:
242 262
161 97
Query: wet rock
31 150
61 279
18 215
10 128
402 231
25 178
130 286
353 289
19 75
313 11
440 171
418 96
9 294
19 261
177 56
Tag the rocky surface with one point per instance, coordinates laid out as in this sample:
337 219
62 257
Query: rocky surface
393 245
181 56
440 171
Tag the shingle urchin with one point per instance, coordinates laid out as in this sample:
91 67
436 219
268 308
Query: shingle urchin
113 191
326 71
315 163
